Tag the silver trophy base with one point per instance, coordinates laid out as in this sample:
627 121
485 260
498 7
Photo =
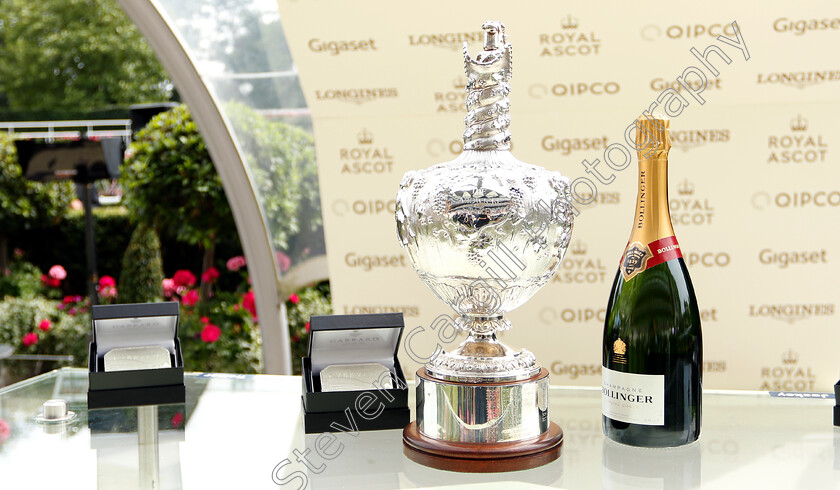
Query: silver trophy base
475 426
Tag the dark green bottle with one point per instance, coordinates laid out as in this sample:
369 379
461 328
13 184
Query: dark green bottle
653 348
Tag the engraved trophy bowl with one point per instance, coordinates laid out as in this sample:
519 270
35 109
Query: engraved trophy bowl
484 232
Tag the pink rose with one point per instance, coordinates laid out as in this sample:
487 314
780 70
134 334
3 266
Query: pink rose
108 292
210 275
169 287
30 339
190 299
235 263
283 261
177 420
58 272
306 326
210 333
5 430
294 298
44 325
184 278
204 319
249 303
105 282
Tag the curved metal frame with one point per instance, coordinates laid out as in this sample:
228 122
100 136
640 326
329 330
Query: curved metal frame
224 150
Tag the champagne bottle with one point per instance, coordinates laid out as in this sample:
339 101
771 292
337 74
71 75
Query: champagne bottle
653 349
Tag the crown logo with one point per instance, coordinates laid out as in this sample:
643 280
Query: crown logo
569 22
460 83
579 248
799 123
790 357
619 347
365 137
686 188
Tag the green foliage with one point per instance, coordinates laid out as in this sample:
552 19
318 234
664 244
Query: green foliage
22 280
68 333
312 300
142 268
23 203
75 54
170 182
281 159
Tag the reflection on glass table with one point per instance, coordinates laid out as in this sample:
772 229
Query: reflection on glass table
240 431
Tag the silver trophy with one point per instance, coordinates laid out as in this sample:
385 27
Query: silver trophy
484 232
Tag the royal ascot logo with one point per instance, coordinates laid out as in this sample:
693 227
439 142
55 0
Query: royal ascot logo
578 268
799 146
453 98
450 40
799 79
688 209
565 146
573 89
690 139
406 310
793 258
792 312
796 199
653 32
367 263
365 158
336 48
784 25
660 84
356 95
569 40
788 376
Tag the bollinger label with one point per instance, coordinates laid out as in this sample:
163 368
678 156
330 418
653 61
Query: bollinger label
633 398
639 258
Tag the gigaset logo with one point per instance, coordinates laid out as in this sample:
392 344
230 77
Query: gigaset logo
803 26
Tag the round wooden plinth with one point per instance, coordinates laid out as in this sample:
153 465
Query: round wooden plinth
478 457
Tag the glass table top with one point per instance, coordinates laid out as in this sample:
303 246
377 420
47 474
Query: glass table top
241 431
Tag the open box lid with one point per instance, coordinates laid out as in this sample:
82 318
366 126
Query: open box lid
354 339
135 325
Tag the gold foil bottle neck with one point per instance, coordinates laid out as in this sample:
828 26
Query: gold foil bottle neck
653 139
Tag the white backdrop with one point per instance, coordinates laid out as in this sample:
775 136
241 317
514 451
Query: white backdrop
753 175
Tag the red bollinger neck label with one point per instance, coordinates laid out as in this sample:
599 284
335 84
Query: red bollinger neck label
639 258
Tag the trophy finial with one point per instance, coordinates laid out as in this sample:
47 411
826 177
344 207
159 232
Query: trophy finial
488 86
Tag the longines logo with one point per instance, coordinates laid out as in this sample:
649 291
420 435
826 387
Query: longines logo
798 79
688 209
654 32
552 316
357 95
792 312
569 41
786 259
567 145
660 84
799 146
804 26
578 268
689 139
406 310
361 207
454 98
365 158
573 89
370 262
336 48
451 40
796 199
788 376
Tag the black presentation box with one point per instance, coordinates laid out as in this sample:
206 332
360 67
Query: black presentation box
354 339
135 325
837 404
